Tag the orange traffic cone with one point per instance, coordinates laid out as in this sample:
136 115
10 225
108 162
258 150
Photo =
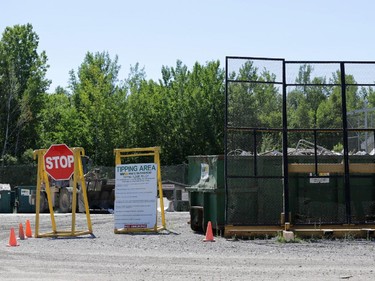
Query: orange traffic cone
21 235
209 235
12 238
28 229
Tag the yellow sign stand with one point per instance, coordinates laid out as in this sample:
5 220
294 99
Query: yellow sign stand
141 152
42 179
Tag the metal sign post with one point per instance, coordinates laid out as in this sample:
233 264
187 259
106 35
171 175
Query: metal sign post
58 162
136 189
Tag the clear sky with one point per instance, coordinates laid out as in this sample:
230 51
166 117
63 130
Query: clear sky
157 33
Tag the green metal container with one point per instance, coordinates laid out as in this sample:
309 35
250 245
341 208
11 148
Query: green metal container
25 199
322 200
206 192
255 196
6 201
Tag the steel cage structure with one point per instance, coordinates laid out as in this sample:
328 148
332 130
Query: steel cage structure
265 184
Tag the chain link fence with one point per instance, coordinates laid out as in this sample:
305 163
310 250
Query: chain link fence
26 175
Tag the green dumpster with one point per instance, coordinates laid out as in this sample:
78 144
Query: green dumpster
206 192
321 200
254 192
6 201
25 199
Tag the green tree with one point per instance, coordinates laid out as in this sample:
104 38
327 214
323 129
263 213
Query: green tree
207 108
183 113
303 101
22 83
94 90
196 106
255 102
60 121
368 95
329 113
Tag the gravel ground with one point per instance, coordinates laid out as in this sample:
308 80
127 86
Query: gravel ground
176 254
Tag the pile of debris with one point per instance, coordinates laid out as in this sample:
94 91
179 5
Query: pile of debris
303 147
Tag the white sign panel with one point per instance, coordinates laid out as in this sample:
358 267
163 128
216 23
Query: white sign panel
4 186
25 192
185 196
204 171
135 196
320 180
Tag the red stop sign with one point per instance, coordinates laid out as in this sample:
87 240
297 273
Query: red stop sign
59 162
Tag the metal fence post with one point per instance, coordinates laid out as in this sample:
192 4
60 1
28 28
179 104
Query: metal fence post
346 145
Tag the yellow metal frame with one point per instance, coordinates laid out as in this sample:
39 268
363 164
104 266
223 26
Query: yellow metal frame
42 179
251 231
139 152
334 168
339 231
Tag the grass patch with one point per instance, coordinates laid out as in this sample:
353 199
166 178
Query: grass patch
281 239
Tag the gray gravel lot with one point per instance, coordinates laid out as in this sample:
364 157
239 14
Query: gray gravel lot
177 254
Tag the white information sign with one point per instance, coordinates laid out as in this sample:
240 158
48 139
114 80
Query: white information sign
135 196
320 180
204 171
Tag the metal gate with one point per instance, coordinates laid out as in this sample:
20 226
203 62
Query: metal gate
291 145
